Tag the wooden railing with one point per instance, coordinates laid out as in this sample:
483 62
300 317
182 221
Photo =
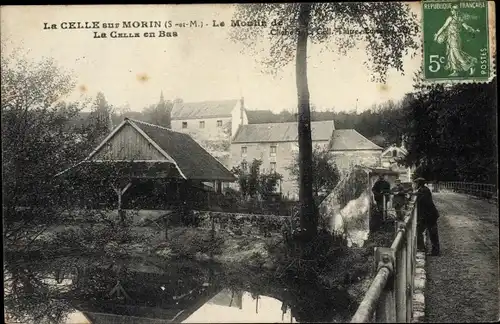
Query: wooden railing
484 190
389 298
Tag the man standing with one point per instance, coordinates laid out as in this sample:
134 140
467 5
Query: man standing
381 188
427 216
399 199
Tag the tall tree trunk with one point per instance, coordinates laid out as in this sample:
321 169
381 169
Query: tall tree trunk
308 217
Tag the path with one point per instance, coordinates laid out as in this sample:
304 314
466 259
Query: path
463 283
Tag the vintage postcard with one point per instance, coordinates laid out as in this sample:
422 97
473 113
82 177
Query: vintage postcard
258 163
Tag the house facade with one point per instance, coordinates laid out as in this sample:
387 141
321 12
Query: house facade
349 148
211 123
390 159
209 118
276 145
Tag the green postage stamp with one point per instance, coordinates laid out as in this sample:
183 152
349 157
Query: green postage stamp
456 41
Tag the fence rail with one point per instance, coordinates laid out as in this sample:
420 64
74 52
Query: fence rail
390 296
476 189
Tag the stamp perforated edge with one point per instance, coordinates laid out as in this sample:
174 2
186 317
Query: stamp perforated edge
491 44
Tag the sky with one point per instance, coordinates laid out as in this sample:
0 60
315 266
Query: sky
200 64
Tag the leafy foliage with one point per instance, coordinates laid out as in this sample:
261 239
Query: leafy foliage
254 183
384 124
158 114
326 173
452 132
39 140
388 30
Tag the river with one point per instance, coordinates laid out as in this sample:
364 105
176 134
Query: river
151 290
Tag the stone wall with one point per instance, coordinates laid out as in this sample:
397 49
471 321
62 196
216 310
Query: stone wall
243 224
420 282
210 129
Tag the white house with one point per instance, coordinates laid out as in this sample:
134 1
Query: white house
390 159
209 118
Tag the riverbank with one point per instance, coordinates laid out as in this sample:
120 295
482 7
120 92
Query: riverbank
350 269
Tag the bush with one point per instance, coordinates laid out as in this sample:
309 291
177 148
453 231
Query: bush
189 241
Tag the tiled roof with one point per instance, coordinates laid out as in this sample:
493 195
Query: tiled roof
349 140
282 132
191 158
204 109
262 116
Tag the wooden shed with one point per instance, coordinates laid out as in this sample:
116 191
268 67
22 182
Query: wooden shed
136 151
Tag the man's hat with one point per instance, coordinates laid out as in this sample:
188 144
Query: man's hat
419 180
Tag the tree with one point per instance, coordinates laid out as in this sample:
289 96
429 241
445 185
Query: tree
326 173
389 30
39 140
452 132
101 123
159 113
256 184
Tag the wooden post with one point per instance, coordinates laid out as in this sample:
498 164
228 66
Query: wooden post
386 307
120 193
401 282
409 269
212 232
166 217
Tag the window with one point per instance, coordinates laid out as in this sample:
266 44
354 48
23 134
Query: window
219 123
394 153
202 124
244 166
243 150
273 150
184 124
273 166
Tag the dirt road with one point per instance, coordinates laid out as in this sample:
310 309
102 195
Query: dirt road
463 283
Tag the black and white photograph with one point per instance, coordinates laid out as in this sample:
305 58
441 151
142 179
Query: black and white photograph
250 163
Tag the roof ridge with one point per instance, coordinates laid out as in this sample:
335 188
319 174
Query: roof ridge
149 124
160 127
290 122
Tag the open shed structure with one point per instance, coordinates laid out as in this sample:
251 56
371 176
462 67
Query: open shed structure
139 153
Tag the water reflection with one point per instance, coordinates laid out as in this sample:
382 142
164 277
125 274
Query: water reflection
230 306
152 291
